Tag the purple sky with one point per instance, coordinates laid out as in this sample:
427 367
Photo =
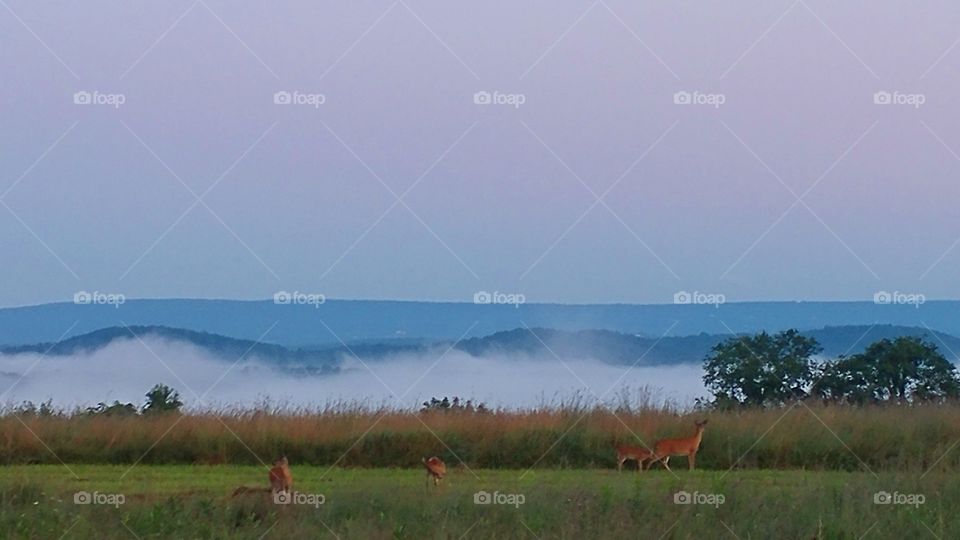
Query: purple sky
96 197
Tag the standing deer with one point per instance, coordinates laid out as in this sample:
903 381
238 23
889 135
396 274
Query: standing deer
636 453
281 481
435 468
679 447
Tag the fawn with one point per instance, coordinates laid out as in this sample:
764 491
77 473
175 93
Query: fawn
635 453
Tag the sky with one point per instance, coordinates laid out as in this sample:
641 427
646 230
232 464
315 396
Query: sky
594 151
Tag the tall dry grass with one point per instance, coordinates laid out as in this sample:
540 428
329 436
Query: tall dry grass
902 438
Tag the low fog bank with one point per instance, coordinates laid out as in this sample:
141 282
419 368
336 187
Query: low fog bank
126 369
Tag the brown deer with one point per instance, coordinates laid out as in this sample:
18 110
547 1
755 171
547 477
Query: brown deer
281 481
435 469
635 453
679 447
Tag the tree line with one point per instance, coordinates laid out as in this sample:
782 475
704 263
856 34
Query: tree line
160 399
766 370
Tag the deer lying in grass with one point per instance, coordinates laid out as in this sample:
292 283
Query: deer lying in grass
635 453
435 469
679 447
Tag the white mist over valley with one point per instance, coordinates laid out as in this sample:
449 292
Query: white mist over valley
125 369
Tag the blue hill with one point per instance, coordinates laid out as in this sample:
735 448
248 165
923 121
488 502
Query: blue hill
373 320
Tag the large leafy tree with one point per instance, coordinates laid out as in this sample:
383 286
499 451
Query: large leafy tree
162 399
764 369
901 370
846 379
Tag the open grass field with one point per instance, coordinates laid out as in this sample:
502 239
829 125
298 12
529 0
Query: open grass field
800 472
178 501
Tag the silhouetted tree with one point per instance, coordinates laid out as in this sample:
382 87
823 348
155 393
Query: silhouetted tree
28 408
162 399
900 370
760 370
455 405
116 409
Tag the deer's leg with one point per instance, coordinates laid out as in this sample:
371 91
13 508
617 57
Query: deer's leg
692 458
665 461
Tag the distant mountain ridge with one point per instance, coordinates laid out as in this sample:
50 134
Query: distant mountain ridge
618 348
324 325
604 345
220 346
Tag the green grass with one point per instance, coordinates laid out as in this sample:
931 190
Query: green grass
183 501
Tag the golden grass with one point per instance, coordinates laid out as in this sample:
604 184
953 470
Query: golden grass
907 438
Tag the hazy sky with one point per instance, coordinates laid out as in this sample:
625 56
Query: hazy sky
790 182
